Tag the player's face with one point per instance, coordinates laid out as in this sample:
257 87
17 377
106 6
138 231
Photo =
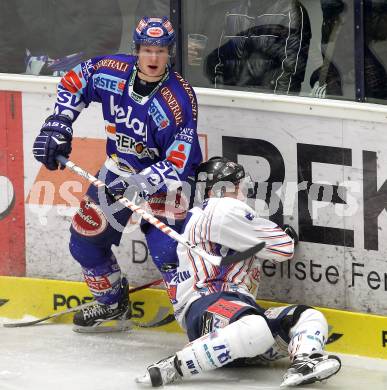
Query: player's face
244 189
152 60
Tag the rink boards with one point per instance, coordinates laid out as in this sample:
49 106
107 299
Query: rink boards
349 332
291 146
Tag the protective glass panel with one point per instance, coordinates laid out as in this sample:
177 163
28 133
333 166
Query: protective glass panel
275 46
49 37
375 51
331 62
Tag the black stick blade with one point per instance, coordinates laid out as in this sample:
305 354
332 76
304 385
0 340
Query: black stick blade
240 256
23 324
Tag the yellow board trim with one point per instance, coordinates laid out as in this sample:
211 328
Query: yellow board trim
352 333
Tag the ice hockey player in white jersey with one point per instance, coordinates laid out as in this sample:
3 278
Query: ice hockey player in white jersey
216 305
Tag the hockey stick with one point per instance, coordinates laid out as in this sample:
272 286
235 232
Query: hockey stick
214 260
156 324
73 309
162 318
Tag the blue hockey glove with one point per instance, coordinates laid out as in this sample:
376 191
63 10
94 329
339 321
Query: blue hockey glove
54 139
133 187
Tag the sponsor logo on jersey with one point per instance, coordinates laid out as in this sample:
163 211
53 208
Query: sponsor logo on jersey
109 83
126 144
155 32
162 171
112 64
158 114
89 219
123 116
249 216
67 99
87 68
186 135
187 87
179 277
110 129
178 154
172 104
171 291
175 205
72 81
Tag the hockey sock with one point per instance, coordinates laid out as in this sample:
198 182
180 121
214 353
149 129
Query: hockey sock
309 334
104 282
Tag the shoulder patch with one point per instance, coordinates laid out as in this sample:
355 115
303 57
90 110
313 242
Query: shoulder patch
73 80
249 216
178 154
87 69
109 83
158 114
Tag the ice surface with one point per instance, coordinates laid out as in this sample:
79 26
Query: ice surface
52 356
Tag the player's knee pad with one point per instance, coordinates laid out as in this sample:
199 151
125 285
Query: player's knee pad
247 337
309 333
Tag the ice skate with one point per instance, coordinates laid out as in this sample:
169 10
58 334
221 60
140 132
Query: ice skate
307 369
102 318
161 373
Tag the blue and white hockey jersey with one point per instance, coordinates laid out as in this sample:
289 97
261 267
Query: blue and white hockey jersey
155 135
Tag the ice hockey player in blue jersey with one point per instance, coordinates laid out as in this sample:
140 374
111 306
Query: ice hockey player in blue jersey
152 148
216 305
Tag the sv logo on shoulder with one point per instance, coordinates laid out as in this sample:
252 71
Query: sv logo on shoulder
67 99
123 116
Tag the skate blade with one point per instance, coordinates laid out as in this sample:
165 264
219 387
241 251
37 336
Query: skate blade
323 370
327 368
105 327
145 379
292 380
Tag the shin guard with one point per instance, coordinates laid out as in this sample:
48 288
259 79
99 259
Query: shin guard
247 337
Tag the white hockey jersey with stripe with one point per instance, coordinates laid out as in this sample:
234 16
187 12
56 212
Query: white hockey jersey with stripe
221 226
